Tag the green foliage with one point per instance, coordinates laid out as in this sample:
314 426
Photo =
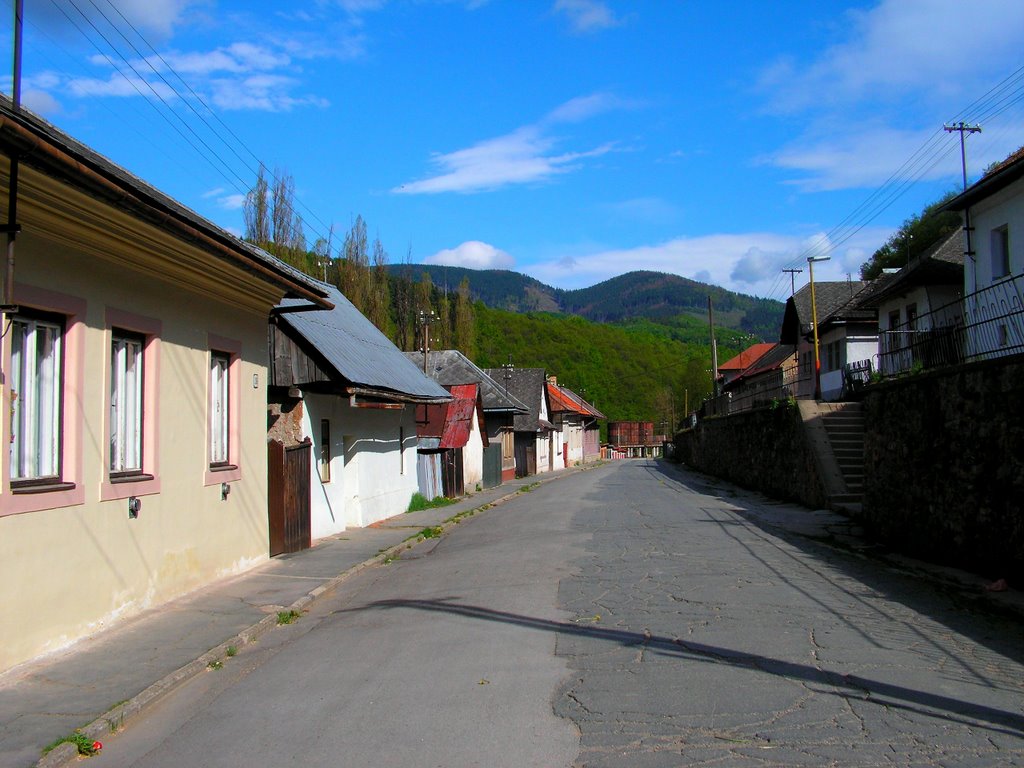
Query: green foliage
915 236
288 617
85 745
640 371
420 502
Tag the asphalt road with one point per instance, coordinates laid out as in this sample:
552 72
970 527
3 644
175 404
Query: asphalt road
630 615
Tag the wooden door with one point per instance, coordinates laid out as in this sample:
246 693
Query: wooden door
288 497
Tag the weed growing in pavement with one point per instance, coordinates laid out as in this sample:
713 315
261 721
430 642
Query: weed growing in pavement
431 532
419 502
287 617
232 650
83 743
528 488
215 664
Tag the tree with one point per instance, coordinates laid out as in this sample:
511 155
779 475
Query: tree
379 300
915 236
463 325
271 221
353 271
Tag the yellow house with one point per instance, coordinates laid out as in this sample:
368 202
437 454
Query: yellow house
134 374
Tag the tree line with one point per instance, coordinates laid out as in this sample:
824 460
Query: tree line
392 300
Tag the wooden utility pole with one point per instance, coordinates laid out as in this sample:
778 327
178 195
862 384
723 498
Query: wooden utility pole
426 318
792 279
963 128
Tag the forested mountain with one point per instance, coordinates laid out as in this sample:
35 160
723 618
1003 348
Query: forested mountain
652 295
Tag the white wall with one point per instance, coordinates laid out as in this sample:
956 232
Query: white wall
370 479
473 456
1006 208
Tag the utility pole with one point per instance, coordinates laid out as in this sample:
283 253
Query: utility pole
792 279
12 227
963 128
507 375
426 318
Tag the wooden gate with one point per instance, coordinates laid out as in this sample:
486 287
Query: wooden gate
288 496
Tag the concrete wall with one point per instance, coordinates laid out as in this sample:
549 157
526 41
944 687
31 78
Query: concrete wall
944 466
765 449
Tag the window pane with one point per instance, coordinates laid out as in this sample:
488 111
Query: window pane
36 400
219 408
126 374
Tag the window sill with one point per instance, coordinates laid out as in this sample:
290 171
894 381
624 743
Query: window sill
222 473
135 477
223 467
45 487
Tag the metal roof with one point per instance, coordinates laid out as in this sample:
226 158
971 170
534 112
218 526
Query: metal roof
357 351
44 147
449 366
565 400
528 385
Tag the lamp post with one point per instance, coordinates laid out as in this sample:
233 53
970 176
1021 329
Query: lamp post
814 326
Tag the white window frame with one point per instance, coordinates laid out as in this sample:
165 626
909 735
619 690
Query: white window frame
127 374
36 380
1000 244
220 408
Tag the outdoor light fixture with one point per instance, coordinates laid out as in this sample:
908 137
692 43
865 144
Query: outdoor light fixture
134 505
814 326
225 489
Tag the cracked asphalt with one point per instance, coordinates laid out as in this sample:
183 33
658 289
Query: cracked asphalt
634 614
717 636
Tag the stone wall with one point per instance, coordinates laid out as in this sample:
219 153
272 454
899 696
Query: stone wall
764 449
944 466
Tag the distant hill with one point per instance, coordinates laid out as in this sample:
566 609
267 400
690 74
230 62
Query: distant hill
656 296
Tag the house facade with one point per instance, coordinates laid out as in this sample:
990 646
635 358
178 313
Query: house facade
536 448
993 243
576 421
340 385
450 367
135 376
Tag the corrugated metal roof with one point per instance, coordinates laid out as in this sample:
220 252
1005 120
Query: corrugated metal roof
458 421
449 366
528 385
357 351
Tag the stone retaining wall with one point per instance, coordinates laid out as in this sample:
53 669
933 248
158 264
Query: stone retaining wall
764 449
944 466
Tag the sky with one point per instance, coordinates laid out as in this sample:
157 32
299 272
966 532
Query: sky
571 140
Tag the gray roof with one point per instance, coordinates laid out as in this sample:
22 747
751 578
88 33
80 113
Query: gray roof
829 298
942 264
46 148
449 367
529 386
357 351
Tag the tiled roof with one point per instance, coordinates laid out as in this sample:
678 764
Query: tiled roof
747 357
449 366
1008 171
564 400
360 355
775 358
942 264
829 298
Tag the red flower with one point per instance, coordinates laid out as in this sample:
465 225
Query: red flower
97 745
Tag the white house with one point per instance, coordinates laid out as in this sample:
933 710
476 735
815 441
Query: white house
537 445
341 386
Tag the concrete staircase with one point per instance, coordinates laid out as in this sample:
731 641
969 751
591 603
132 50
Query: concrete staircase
844 426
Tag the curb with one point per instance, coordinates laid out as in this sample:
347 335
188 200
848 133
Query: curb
114 719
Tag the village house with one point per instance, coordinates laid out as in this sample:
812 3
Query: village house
576 421
452 440
135 378
449 367
340 387
536 448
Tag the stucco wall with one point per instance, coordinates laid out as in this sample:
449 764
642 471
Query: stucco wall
763 449
77 562
944 463
370 479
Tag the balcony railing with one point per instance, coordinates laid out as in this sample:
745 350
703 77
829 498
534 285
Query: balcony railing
986 324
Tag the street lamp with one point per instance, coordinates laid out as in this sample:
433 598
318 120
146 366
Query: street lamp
814 326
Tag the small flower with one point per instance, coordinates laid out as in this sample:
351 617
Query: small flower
97 746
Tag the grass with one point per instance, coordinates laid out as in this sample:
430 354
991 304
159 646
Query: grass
420 502
287 617
85 745
232 650
215 664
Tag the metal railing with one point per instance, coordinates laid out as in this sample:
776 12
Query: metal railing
775 387
986 324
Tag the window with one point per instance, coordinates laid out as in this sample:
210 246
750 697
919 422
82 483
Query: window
126 396
1000 252
325 450
36 384
912 317
894 319
220 408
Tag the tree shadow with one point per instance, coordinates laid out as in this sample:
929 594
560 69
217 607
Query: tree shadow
864 689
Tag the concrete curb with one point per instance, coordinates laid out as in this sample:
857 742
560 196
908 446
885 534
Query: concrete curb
117 717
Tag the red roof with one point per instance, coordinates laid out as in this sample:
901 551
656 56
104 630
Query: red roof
458 421
747 357
564 399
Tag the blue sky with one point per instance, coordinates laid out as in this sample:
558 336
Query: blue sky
572 140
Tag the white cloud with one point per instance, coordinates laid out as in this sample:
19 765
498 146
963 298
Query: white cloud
233 202
525 155
901 46
157 19
40 102
270 93
117 85
748 263
587 16
473 254
238 58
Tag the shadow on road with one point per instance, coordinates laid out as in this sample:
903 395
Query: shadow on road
865 690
